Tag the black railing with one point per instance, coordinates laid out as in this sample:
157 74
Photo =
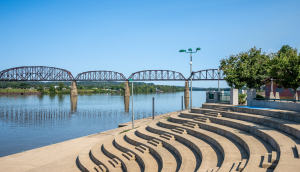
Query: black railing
267 99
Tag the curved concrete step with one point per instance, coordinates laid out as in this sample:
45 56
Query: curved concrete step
168 161
141 153
280 141
111 151
186 156
85 163
255 147
229 150
100 158
209 156
293 128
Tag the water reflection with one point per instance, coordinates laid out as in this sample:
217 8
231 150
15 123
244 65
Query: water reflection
28 122
126 103
73 103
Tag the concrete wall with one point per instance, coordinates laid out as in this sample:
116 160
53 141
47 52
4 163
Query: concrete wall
234 96
207 98
277 105
251 94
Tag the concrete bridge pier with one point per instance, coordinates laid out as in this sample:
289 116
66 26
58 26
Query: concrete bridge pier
74 91
186 94
126 89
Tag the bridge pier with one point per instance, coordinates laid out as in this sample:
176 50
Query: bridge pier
186 95
126 89
74 91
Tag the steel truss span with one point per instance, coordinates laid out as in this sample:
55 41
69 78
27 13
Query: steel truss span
100 76
207 75
157 75
36 73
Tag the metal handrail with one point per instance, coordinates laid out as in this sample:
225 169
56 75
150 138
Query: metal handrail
276 99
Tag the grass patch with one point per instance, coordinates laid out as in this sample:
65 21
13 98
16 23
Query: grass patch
124 131
17 90
128 130
167 117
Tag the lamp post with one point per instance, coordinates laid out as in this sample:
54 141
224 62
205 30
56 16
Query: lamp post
191 52
219 81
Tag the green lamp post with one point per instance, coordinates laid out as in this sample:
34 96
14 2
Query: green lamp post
191 52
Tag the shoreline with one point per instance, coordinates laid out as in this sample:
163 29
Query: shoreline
62 156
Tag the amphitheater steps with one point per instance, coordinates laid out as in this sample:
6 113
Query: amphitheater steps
168 162
280 141
210 157
229 150
275 113
270 160
186 156
104 161
290 127
111 151
254 146
84 162
141 153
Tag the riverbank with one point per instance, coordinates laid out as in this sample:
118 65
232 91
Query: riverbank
63 156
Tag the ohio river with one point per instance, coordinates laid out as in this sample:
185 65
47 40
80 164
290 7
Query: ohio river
32 121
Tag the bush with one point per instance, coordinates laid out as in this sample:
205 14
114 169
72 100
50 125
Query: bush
242 98
259 96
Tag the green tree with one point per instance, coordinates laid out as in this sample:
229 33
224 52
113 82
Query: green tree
246 69
285 67
80 87
40 88
52 89
61 85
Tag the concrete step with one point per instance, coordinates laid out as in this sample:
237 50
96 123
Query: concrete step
168 136
115 162
239 166
202 119
184 153
280 141
215 114
179 130
142 149
141 153
287 126
155 142
255 146
297 147
270 160
209 154
100 168
165 157
229 150
191 124
111 151
130 156
102 160
84 162
213 169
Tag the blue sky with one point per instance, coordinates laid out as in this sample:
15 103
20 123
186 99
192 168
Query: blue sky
129 36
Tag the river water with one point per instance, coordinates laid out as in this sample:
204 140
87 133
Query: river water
32 121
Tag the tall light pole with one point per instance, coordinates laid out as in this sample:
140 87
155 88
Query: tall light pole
191 52
219 80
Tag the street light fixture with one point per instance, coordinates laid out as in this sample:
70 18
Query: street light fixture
191 52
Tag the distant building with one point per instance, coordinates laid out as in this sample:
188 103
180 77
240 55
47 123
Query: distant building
284 93
56 87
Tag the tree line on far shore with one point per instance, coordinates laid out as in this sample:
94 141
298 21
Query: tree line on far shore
250 68
90 87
